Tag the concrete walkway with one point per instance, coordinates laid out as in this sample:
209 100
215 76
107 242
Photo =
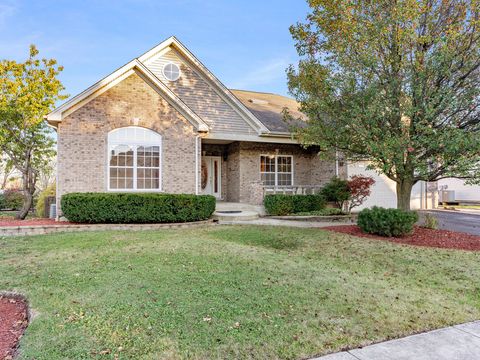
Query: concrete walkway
459 342
278 222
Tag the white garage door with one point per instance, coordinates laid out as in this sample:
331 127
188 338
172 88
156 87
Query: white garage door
384 191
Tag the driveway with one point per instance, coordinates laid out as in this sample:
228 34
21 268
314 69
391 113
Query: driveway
467 221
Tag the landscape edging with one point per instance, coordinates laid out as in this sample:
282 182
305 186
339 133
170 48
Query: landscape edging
48 229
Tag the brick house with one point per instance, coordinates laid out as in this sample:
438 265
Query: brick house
163 122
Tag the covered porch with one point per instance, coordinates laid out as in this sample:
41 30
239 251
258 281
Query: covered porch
244 172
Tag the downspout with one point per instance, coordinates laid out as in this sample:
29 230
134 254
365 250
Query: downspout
197 138
55 128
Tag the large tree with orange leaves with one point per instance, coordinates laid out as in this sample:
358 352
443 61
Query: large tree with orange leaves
394 82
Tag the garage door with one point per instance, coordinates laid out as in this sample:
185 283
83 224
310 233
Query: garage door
384 191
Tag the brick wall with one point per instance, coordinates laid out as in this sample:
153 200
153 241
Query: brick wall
241 171
82 138
309 169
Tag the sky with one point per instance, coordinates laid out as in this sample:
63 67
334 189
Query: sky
245 43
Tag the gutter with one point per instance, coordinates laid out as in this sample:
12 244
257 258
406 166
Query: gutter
276 134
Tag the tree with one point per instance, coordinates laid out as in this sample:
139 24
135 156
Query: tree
393 82
359 188
28 91
6 171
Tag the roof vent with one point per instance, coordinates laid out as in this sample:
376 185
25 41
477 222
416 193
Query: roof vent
258 101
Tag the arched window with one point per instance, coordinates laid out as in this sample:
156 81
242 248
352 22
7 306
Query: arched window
134 160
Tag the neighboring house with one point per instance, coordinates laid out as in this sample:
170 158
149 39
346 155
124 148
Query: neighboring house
164 122
463 193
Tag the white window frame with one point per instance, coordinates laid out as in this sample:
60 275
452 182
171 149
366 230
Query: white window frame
135 143
179 71
276 170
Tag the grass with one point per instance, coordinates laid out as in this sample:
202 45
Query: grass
230 292
471 207
10 215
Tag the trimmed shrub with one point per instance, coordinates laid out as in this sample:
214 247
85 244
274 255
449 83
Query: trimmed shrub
2 201
387 222
137 208
324 212
13 199
280 204
40 204
337 191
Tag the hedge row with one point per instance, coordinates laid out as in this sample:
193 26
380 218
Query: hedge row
387 222
279 204
136 208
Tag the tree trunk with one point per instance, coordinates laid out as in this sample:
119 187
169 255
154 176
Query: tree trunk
27 204
29 180
404 193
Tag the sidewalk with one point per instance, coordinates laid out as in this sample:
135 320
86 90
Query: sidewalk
278 222
459 342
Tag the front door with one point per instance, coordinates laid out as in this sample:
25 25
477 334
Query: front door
212 176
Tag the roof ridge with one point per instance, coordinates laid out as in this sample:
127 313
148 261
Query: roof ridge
258 92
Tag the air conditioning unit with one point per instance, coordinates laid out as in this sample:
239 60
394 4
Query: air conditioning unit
53 211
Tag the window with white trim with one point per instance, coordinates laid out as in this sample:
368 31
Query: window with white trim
276 170
134 159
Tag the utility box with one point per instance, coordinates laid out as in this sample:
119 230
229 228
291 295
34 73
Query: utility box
53 211
448 196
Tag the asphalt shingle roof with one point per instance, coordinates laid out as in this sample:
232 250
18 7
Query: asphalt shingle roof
268 107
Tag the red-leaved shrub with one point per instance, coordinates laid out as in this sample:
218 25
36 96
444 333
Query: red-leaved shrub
359 187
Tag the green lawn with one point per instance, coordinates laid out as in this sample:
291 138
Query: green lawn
230 292
467 207
10 215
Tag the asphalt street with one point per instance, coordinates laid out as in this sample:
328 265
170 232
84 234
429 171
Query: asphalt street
458 221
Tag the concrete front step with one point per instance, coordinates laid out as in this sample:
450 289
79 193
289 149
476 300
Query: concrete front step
228 206
235 215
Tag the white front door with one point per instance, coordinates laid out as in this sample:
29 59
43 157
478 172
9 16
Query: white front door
212 176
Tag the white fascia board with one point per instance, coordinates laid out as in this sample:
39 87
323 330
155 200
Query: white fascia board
116 77
252 138
221 89
58 113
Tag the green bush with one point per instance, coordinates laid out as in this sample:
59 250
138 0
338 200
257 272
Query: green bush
2 201
279 204
387 222
430 222
40 204
13 199
136 207
323 212
337 191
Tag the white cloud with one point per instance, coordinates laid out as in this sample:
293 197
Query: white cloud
271 71
7 10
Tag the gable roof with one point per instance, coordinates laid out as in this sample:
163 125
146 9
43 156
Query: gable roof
134 66
268 108
217 85
262 111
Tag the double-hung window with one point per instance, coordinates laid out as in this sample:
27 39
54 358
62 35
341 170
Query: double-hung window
276 170
134 160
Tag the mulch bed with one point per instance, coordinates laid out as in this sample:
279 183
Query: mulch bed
13 322
29 222
420 237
